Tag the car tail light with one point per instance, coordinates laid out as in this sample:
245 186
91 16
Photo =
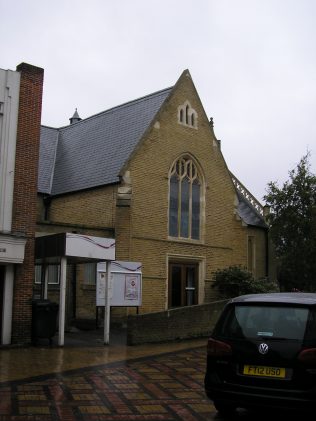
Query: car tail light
218 348
308 356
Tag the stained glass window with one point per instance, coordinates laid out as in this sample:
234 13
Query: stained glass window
184 199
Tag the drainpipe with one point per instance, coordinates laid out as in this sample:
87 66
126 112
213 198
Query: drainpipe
266 212
74 290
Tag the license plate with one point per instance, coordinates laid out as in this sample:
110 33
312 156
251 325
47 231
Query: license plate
262 371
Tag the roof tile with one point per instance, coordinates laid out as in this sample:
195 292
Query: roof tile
92 152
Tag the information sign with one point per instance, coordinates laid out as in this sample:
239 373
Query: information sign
125 288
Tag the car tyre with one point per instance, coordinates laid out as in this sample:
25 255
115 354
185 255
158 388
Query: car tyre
224 408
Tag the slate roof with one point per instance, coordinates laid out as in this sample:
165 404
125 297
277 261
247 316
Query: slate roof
248 213
48 148
91 152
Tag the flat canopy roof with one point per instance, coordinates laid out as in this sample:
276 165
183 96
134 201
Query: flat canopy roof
76 247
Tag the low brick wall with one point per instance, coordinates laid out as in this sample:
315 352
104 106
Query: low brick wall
179 323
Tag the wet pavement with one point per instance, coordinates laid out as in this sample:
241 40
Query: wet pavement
86 380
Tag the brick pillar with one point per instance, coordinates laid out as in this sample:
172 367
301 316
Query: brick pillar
25 194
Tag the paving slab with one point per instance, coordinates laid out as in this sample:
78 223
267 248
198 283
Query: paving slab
150 382
116 382
82 349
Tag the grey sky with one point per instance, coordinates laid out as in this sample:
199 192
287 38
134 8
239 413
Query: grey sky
253 63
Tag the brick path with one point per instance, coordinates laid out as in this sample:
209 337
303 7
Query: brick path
163 387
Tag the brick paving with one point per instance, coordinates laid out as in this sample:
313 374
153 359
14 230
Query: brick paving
162 387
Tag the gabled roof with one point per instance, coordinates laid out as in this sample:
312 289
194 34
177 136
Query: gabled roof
91 152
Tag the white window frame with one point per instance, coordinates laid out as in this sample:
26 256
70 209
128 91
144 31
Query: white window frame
89 273
53 274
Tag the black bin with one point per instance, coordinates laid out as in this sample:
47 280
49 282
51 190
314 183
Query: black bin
44 320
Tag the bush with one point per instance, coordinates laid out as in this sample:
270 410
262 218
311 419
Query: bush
235 280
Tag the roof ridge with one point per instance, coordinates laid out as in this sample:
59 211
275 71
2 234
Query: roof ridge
161 91
49 127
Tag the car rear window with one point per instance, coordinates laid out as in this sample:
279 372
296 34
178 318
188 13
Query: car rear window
253 321
310 334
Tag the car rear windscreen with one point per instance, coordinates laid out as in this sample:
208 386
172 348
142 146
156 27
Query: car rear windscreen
252 321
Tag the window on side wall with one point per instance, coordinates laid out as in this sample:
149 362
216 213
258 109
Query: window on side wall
53 274
90 273
185 191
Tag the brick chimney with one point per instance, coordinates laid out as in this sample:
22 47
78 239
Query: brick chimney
25 194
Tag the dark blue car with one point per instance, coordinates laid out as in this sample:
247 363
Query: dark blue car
262 353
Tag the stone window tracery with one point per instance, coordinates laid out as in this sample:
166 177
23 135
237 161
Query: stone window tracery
185 199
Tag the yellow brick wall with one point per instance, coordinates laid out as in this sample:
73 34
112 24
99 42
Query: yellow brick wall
224 238
123 233
95 208
260 251
86 296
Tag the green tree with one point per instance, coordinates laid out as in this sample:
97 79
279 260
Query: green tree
235 280
292 222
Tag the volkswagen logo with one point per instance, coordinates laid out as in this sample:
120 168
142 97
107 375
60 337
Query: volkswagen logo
263 348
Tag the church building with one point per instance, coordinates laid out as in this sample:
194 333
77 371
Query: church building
150 174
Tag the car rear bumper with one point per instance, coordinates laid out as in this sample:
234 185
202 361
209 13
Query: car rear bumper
247 397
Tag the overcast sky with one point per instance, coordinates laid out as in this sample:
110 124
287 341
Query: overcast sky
253 63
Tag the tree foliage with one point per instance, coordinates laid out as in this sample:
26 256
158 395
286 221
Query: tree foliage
235 280
292 222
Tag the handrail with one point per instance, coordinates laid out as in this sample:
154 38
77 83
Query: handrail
247 195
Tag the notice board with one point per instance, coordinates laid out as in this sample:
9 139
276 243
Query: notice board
125 289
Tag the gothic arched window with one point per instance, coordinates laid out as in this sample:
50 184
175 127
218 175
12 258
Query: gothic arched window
184 199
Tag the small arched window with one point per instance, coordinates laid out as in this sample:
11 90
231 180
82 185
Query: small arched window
187 115
181 116
187 109
184 199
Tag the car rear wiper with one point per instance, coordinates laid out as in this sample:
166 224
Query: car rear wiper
279 338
